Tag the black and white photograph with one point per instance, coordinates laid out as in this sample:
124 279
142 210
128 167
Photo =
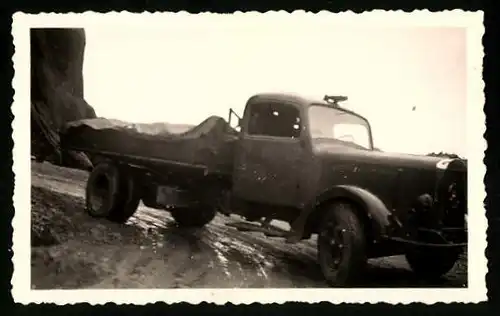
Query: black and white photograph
249 157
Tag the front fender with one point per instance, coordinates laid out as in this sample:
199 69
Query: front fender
377 213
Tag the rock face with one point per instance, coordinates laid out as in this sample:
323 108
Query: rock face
57 92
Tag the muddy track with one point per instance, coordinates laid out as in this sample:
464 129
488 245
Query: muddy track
72 250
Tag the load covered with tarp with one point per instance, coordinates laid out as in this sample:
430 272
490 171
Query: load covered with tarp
208 144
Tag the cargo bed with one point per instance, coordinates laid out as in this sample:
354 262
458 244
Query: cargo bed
207 147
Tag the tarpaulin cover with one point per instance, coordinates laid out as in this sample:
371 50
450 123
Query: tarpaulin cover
208 144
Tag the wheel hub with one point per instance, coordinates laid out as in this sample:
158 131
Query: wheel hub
334 237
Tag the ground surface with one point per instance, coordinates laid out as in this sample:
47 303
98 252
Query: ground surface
73 250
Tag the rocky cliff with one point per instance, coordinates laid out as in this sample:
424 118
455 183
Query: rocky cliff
57 92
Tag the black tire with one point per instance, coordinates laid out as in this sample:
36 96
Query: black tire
193 217
341 246
430 264
110 195
127 202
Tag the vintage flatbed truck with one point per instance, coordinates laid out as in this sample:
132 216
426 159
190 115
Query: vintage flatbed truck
310 163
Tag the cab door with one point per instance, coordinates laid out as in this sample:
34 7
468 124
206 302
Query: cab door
269 155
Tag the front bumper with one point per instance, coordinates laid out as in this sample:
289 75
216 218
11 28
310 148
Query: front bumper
448 237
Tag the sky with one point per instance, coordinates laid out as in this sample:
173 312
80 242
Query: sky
409 82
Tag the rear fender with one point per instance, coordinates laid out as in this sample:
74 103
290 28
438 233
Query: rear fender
373 209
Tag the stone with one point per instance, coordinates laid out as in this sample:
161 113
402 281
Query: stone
57 94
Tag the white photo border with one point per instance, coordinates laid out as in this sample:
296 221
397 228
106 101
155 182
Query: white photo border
476 145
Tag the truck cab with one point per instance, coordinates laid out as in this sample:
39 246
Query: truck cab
275 161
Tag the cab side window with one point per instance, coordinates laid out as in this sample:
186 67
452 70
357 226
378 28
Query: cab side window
275 120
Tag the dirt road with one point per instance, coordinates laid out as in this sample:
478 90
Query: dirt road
72 250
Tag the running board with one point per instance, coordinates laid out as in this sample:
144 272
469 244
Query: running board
268 230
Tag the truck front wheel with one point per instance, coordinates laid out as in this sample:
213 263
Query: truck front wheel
111 195
193 216
431 264
341 245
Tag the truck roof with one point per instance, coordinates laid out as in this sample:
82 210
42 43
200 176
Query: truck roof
290 97
304 101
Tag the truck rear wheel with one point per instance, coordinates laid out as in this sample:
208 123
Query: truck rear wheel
431 264
193 216
341 246
111 195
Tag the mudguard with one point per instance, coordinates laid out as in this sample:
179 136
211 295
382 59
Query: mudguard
378 214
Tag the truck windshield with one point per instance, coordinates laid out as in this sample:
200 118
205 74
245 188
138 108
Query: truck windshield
336 124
